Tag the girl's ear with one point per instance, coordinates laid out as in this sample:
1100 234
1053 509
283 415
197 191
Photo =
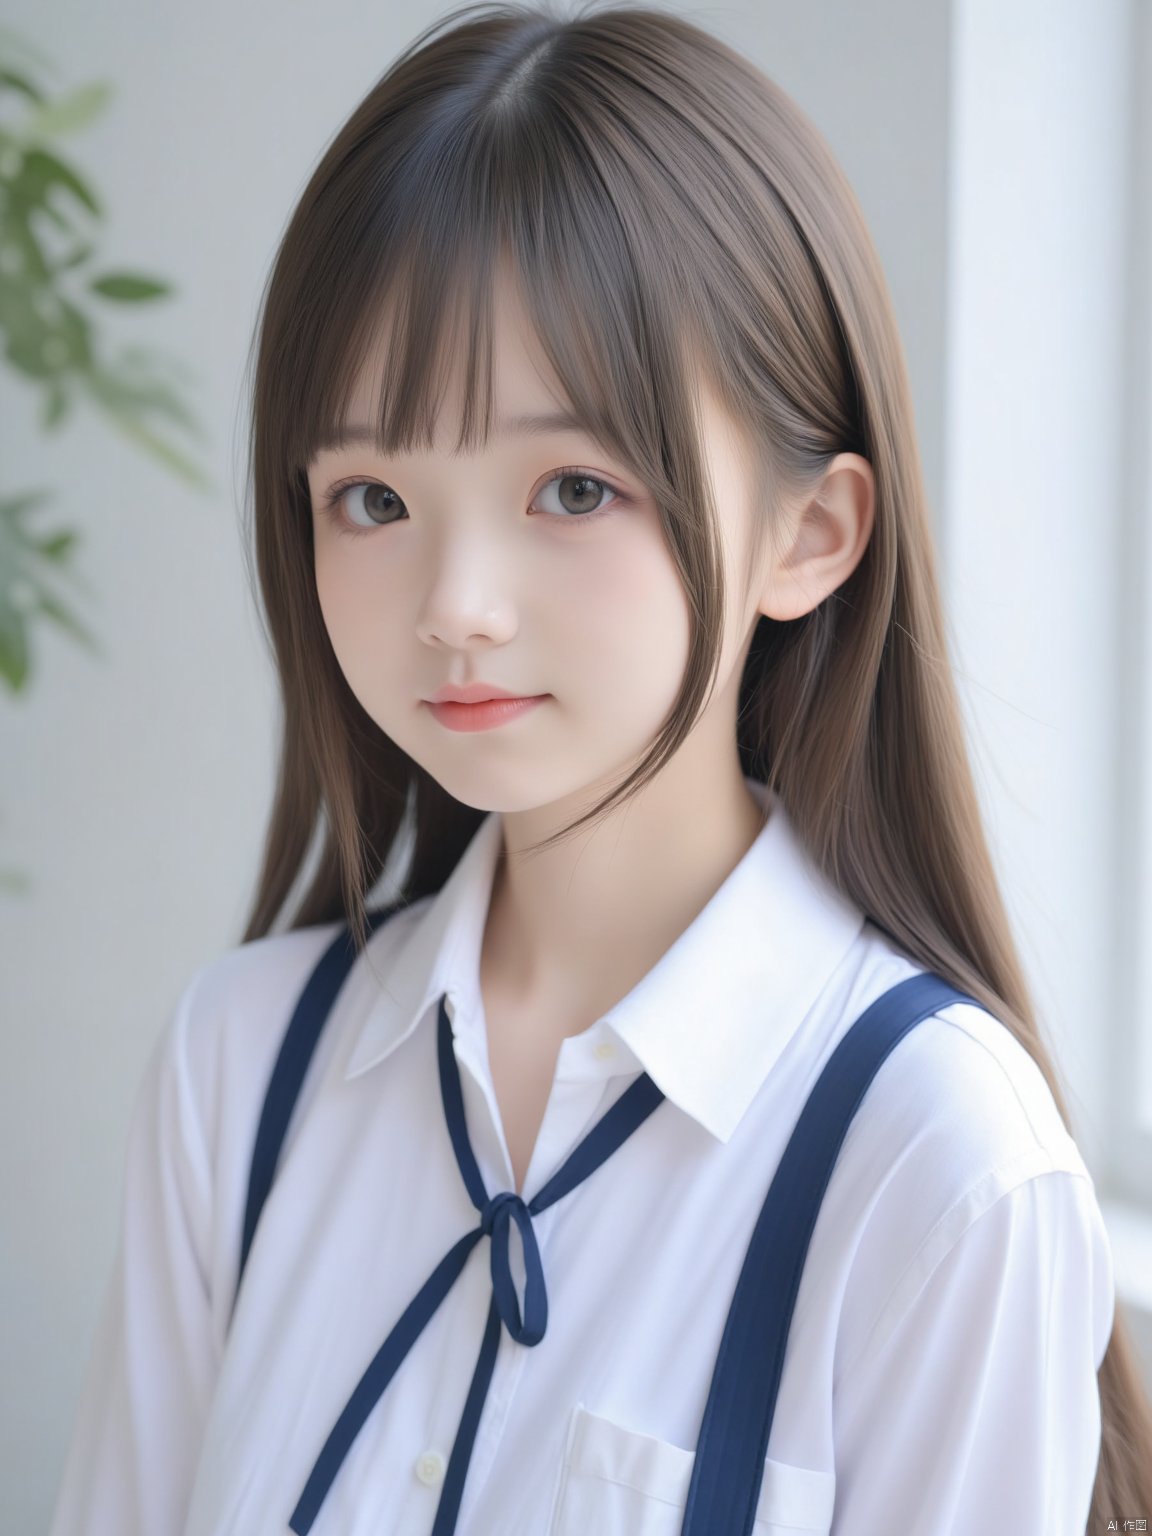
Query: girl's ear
823 541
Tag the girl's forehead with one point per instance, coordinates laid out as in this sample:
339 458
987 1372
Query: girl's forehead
520 367
527 399
525 404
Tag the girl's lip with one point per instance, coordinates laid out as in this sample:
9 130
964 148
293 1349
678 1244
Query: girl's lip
486 714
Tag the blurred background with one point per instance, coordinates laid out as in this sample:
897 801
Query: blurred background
149 158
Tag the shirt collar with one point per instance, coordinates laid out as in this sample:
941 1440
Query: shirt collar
711 1017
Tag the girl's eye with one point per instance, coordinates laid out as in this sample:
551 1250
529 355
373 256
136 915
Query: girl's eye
579 500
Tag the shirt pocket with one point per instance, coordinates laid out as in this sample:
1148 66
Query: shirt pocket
620 1482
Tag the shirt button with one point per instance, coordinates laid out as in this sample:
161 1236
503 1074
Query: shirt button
605 1049
430 1468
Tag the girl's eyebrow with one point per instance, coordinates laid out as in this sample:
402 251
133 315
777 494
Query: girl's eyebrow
513 426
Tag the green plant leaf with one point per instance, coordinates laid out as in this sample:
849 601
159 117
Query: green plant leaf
41 172
69 113
58 546
129 286
13 650
55 349
26 560
11 80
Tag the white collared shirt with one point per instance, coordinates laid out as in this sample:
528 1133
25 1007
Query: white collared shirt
954 1307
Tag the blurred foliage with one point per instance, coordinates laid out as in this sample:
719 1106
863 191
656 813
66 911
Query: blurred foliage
54 295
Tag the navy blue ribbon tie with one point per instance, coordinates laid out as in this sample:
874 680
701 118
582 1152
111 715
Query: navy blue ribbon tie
497 1214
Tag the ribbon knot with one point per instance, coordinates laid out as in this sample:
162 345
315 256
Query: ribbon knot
495 1204
495 1220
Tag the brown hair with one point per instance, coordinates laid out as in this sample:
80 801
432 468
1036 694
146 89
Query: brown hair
666 207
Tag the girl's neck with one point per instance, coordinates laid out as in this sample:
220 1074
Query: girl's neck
571 930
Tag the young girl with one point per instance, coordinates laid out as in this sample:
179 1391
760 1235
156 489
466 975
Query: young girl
692 1002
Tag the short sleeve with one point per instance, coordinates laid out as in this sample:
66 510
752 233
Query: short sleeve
978 1408
145 1397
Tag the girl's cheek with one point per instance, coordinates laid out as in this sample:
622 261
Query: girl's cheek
353 607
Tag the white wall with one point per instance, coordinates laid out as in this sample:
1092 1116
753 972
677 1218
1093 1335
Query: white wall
1033 421
135 787
1045 528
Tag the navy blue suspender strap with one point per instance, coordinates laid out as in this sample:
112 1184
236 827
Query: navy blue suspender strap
296 1049
733 1439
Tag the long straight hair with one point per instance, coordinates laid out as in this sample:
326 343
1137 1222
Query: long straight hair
669 214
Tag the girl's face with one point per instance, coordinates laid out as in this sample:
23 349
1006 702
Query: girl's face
538 565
